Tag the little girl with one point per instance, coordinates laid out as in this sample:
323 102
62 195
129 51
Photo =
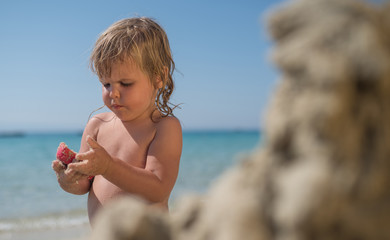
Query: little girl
134 149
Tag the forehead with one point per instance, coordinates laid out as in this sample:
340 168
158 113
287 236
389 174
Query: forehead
126 69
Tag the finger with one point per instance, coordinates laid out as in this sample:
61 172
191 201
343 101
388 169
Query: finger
69 172
57 166
85 156
92 143
74 176
80 167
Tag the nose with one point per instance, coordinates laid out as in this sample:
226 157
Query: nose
114 93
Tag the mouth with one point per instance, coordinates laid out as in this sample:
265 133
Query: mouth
116 106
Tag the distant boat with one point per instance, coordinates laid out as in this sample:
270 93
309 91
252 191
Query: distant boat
11 134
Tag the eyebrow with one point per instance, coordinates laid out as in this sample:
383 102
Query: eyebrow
120 80
125 79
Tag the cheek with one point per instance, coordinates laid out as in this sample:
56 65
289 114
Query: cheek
105 95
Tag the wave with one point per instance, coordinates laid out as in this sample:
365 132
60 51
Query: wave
50 221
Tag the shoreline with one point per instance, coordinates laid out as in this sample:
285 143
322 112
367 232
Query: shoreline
67 233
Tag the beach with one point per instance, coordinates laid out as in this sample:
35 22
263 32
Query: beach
33 206
70 233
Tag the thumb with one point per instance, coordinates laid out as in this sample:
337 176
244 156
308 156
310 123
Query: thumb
57 166
92 143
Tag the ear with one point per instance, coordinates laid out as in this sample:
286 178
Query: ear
159 82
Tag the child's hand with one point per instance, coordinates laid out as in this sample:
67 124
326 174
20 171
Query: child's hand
94 162
65 175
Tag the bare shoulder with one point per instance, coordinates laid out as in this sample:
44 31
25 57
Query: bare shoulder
168 133
166 145
97 121
102 117
168 124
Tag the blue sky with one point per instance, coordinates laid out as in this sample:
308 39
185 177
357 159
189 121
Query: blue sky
221 49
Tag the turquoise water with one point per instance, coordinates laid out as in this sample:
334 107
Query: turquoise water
30 197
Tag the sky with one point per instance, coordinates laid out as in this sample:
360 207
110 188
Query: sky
221 49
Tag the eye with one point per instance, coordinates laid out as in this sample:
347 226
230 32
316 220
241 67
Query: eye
124 84
106 85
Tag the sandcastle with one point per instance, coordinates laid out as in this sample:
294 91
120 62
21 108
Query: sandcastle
323 171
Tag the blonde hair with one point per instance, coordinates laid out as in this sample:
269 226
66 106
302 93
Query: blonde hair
146 43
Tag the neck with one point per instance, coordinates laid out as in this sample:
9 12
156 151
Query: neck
145 122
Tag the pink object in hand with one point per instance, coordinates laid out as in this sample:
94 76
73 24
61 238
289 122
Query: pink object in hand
64 154
67 155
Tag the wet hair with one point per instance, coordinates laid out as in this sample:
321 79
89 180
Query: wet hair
143 41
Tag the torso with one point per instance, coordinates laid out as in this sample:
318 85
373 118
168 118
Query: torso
121 143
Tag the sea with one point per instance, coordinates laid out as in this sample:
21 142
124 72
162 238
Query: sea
31 199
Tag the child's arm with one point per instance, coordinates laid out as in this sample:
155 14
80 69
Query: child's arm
156 180
72 181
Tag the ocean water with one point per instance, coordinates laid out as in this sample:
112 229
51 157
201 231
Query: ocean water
31 199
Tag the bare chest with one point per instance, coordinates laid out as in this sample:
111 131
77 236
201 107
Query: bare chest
119 143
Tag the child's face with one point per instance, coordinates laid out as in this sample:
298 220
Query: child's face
128 92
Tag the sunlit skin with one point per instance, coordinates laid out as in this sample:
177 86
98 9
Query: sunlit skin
125 150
